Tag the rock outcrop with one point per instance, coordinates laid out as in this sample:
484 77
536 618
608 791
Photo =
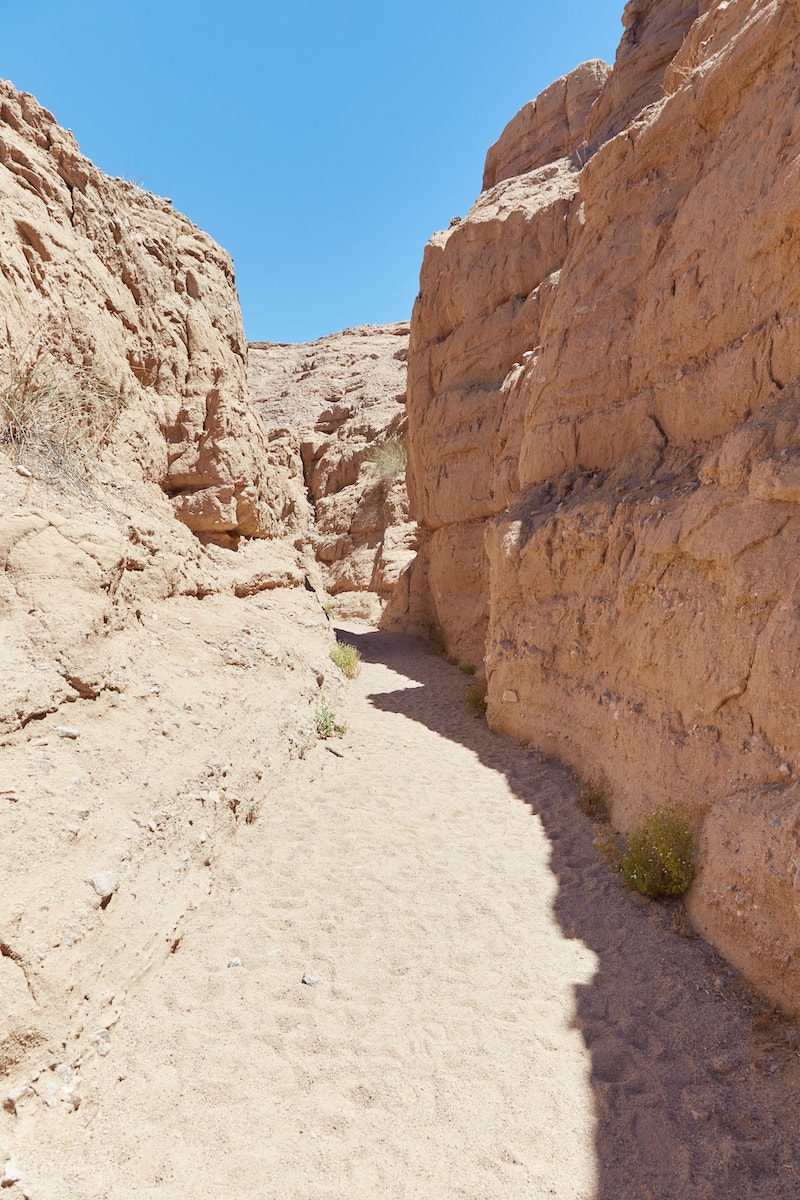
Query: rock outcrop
340 402
155 673
604 438
98 276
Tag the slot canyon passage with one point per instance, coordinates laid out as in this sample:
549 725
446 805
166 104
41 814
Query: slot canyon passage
488 1014
269 931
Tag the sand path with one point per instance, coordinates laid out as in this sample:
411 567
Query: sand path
494 1017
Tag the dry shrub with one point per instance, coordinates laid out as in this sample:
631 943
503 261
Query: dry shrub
477 696
346 658
389 459
55 418
593 797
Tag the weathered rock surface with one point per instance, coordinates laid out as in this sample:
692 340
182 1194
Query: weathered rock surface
604 435
96 275
126 645
338 401
151 690
149 683
550 127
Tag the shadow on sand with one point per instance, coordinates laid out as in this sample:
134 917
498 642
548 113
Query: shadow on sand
696 1084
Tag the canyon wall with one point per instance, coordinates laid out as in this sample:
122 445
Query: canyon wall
98 277
338 405
604 446
161 660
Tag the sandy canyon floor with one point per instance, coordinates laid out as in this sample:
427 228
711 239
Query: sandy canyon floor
415 975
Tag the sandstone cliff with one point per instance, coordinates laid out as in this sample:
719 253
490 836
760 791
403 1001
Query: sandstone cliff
151 687
97 276
338 404
604 437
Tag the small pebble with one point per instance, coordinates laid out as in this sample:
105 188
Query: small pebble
105 883
10 1175
101 1040
312 980
13 1098
65 731
235 962
24 472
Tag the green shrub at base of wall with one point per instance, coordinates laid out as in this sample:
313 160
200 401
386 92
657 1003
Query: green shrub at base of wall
661 856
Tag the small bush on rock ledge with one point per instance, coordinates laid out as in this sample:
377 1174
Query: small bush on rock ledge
346 658
388 458
660 858
325 721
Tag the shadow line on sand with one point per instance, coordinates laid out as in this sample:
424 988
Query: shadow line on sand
696 1083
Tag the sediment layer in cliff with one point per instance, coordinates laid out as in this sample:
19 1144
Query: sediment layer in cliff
604 438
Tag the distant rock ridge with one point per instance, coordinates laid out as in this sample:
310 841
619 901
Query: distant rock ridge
604 438
338 404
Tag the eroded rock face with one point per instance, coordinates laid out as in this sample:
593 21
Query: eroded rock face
150 679
97 275
340 402
149 689
604 439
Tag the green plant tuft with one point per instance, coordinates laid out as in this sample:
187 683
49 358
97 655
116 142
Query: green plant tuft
477 696
325 721
660 858
346 658
388 458
468 668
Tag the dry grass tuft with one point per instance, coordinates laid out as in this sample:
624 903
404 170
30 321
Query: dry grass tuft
54 418
477 696
388 458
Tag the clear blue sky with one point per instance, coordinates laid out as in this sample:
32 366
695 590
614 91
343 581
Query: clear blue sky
320 143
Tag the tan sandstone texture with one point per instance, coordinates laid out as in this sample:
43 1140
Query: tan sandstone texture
240 958
604 446
98 276
149 685
340 402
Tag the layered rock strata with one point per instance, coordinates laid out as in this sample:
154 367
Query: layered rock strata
604 439
340 403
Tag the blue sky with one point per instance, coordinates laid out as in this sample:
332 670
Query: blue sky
321 144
